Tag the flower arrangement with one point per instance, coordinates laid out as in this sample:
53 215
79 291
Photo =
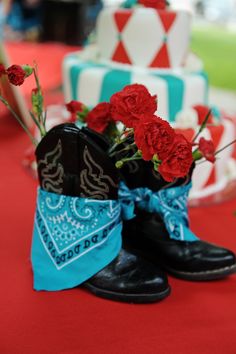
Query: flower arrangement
147 136
130 122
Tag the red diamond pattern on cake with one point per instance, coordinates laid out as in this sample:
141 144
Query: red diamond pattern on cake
120 54
147 38
121 19
161 60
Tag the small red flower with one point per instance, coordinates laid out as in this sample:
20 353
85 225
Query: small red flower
206 147
153 135
202 112
155 4
75 106
99 117
179 160
16 75
129 104
2 70
35 91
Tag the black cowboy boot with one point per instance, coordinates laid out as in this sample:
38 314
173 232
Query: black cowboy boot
160 232
77 234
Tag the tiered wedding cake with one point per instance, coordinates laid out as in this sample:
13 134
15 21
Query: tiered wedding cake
149 46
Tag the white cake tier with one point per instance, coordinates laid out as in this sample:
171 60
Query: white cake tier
93 81
144 36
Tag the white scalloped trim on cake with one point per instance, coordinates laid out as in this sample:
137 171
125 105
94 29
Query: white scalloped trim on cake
187 118
207 191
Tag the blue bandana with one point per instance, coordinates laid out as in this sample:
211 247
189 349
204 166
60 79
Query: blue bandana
170 203
74 238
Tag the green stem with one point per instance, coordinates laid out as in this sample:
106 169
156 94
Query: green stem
127 148
113 147
226 146
34 141
131 159
202 126
40 113
36 122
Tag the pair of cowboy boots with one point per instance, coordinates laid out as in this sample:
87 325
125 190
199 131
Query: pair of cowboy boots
77 236
79 223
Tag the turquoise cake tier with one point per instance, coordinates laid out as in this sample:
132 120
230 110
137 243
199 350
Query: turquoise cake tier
92 82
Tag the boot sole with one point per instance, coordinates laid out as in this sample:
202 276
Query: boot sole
214 274
130 298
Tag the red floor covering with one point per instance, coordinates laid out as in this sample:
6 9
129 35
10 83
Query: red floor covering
196 318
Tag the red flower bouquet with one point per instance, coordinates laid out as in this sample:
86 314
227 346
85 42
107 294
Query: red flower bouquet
146 136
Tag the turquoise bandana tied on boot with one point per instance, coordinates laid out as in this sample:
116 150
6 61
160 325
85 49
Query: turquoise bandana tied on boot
74 238
170 203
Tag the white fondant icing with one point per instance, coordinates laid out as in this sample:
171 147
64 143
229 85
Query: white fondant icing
106 33
195 88
212 189
193 63
90 84
143 36
66 65
231 168
178 39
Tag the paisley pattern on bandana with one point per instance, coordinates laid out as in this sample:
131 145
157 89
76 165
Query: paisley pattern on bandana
73 239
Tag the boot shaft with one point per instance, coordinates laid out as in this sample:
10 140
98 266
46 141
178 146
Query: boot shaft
71 163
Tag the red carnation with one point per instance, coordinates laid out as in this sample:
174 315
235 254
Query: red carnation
202 112
75 106
155 4
16 75
35 91
153 135
206 147
2 70
99 117
179 160
133 101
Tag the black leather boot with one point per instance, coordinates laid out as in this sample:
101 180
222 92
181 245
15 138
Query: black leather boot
72 162
149 234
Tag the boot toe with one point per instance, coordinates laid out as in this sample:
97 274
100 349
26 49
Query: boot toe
147 278
203 261
218 257
129 278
